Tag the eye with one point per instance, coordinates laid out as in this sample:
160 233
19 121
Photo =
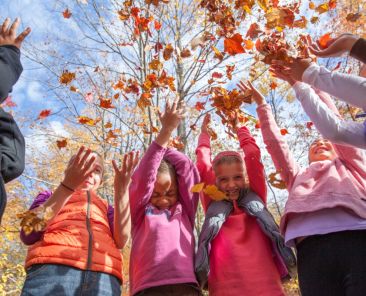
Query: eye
238 177
171 193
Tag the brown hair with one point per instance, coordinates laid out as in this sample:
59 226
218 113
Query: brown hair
228 159
166 167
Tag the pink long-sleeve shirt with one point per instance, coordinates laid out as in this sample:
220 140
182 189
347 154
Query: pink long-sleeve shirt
336 184
162 240
241 258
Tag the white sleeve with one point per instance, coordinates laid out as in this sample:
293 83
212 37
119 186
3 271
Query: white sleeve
346 87
331 127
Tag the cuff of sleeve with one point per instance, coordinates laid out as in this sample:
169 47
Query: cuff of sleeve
157 147
309 72
358 50
204 140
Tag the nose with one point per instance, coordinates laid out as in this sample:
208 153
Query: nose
231 183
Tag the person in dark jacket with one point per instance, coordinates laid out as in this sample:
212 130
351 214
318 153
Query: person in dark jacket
12 147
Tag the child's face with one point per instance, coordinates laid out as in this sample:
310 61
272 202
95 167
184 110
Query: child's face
230 178
165 194
95 178
321 149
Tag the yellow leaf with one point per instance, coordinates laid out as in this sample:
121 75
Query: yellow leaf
197 188
214 193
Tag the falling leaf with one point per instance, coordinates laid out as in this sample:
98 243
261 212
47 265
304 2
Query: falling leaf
257 125
311 5
273 85
168 51
233 45
218 54
197 188
186 53
144 101
157 25
67 13
324 40
229 71
217 75
176 143
353 17
332 4
283 131
309 124
314 19
44 113
66 77
249 44
87 120
106 103
214 193
322 8
199 106
254 31
276 182
61 143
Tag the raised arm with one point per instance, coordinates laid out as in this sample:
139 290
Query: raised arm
143 179
203 155
10 66
122 180
253 163
188 176
275 143
324 115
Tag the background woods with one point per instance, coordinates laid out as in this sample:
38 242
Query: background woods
103 68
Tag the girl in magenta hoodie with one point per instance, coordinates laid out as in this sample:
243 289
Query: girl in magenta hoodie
162 212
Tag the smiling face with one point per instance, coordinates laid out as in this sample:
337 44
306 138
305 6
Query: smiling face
321 149
165 194
230 178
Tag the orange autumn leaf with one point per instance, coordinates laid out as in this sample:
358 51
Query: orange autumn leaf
332 4
61 143
273 85
311 5
249 44
353 17
168 52
322 8
197 188
44 113
106 103
87 120
157 25
275 181
66 77
218 54
108 125
214 193
186 53
176 143
257 125
229 71
66 13
283 131
254 31
199 106
233 45
123 14
144 101
155 65
324 40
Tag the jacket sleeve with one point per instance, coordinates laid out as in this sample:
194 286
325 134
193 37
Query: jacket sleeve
324 114
10 69
143 181
204 166
277 146
348 88
254 166
35 236
12 148
358 50
187 175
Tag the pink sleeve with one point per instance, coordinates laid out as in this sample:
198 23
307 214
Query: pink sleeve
277 146
352 157
187 176
143 181
204 165
253 163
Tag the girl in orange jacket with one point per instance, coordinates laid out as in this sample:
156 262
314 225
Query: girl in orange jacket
77 253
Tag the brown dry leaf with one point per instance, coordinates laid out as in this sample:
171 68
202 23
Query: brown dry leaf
66 77
61 143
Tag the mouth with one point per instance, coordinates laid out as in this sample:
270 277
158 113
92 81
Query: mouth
320 149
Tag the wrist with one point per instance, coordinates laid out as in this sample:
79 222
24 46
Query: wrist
67 187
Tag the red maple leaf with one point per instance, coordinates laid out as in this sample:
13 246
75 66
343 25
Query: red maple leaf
233 45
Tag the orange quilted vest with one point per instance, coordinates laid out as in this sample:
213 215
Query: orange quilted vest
79 236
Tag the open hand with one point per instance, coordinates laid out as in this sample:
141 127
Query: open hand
335 47
205 123
172 116
8 33
122 175
257 96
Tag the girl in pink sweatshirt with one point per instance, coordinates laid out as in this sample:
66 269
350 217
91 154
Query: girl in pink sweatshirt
325 214
163 212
